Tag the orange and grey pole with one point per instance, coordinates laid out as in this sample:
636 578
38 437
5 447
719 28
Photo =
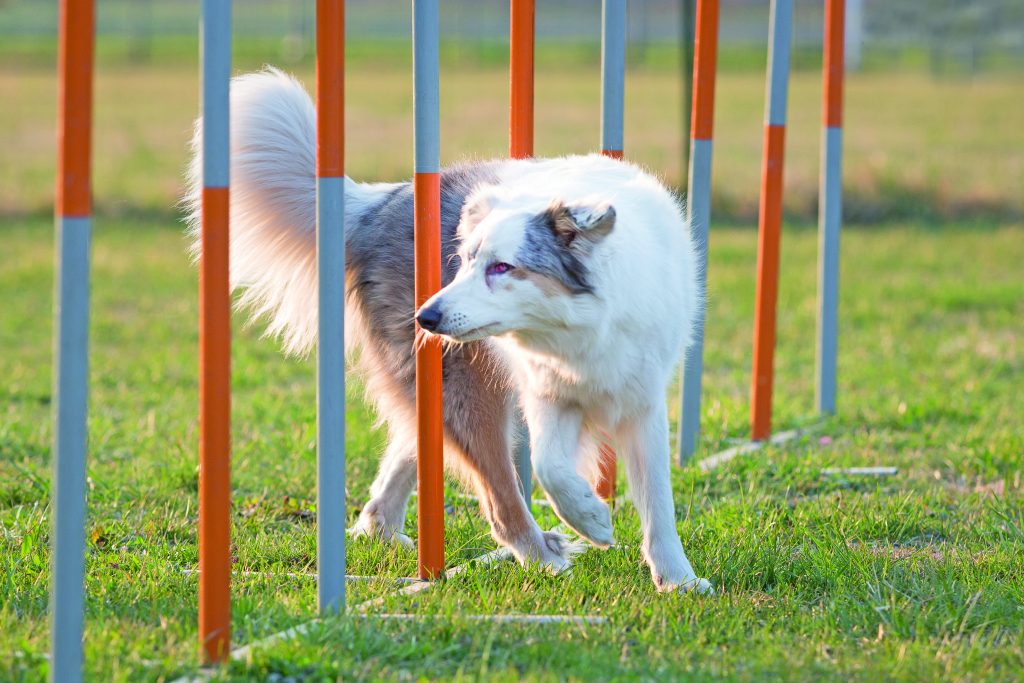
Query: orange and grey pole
770 219
215 340
427 216
698 208
830 207
522 23
73 218
613 86
330 353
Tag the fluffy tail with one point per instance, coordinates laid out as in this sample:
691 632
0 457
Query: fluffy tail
273 204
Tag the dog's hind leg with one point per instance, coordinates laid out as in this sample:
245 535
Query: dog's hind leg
556 440
384 514
647 463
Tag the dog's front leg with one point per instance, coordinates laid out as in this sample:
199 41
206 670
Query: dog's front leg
647 462
555 441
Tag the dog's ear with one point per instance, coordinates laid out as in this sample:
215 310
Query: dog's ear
581 226
473 211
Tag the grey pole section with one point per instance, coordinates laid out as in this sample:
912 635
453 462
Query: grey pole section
426 102
613 75
67 593
330 388
216 96
780 32
828 268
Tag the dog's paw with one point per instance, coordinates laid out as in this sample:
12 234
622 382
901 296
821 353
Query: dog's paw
698 587
593 521
560 551
402 540
368 526
548 549
695 585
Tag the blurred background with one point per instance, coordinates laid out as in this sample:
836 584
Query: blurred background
934 117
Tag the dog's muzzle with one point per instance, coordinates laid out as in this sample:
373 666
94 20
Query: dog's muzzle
429 318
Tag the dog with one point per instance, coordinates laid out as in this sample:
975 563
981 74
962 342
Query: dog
569 289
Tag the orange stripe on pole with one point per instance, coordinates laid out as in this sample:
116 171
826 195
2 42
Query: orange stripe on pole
769 234
214 428
521 72
613 153
832 105
606 483
330 88
705 49
74 108
430 464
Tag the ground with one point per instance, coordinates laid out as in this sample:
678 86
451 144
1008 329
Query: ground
918 576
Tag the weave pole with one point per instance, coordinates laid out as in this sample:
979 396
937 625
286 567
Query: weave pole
613 95
427 212
770 219
73 219
522 25
830 208
215 340
698 210
330 354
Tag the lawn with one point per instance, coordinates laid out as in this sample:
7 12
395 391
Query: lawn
917 576
911 577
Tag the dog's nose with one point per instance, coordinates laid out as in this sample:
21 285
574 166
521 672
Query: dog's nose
429 318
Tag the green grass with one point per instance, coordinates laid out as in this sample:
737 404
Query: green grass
914 577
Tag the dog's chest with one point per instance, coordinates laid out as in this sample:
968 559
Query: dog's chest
606 389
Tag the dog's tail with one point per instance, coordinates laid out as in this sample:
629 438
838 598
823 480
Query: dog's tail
273 205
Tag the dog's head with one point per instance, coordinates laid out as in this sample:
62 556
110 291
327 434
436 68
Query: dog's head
521 266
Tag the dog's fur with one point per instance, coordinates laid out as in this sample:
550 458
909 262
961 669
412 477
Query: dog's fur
581 323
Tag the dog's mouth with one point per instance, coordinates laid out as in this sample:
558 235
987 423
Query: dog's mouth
472 334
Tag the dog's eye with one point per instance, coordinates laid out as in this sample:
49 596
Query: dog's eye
499 268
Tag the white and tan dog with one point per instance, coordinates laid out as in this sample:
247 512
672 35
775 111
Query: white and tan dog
570 287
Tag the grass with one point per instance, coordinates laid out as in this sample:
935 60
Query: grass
914 577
